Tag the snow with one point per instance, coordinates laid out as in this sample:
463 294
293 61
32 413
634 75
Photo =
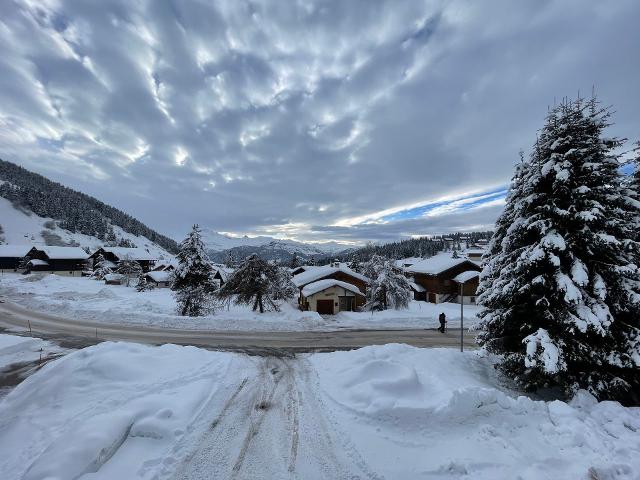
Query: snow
466 276
15 349
89 299
416 287
540 347
321 285
130 253
14 251
63 252
37 262
311 274
437 264
118 410
159 276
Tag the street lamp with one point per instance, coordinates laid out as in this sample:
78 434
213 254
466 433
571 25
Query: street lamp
461 315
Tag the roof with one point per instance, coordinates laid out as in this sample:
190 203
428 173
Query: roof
438 264
311 274
111 277
129 253
34 262
63 253
320 285
466 276
416 287
162 276
475 251
408 261
14 251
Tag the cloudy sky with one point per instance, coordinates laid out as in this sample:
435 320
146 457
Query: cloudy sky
314 120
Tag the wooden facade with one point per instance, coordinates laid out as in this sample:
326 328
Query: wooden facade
441 287
71 265
118 254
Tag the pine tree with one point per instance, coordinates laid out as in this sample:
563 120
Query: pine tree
143 285
193 284
388 287
100 268
129 268
294 261
258 283
560 289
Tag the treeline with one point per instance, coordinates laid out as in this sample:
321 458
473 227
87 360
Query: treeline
76 211
422 247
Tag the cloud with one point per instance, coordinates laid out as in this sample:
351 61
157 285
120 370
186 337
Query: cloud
315 120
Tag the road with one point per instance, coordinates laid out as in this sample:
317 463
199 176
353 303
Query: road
12 315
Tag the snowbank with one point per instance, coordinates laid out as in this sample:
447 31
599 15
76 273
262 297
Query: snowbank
14 349
89 299
110 409
433 413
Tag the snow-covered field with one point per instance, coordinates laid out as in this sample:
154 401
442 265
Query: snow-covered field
89 299
119 410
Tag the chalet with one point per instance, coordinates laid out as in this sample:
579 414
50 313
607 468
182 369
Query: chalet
221 274
115 279
419 292
330 296
117 254
407 262
469 281
11 257
295 271
475 254
159 279
164 266
436 275
67 261
335 271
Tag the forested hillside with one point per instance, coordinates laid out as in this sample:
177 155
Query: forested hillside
76 211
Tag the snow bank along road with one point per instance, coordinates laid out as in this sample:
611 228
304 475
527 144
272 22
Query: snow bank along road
16 316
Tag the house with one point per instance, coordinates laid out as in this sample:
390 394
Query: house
469 281
297 270
475 254
117 254
11 257
221 274
334 271
160 279
164 266
436 275
66 261
330 296
407 262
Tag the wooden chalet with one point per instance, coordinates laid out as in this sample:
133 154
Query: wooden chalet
331 296
66 261
117 254
338 272
11 257
436 275
160 279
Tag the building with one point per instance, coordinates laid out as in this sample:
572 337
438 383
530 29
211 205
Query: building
117 254
469 281
66 261
475 254
335 271
330 296
115 279
11 257
221 274
436 275
160 279
419 292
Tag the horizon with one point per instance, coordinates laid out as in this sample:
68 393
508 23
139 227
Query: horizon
316 123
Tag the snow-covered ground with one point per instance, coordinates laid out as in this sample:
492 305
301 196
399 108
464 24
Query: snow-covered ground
118 410
90 299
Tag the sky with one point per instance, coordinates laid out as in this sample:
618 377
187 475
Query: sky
349 121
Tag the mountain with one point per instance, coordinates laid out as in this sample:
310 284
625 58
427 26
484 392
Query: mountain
35 210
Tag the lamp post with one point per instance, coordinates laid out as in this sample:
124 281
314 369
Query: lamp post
461 316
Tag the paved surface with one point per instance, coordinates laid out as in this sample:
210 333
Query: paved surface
12 315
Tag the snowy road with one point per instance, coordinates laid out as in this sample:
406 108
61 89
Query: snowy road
13 315
271 424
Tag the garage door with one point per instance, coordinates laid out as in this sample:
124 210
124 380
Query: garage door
325 307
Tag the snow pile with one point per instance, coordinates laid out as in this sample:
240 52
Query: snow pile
14 349
112 408
432 413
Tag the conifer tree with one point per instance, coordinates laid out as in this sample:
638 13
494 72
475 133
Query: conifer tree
387 287
100 268
193 283
560 289
129 268
143 285
259 283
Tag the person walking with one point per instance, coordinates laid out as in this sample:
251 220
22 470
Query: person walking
443 323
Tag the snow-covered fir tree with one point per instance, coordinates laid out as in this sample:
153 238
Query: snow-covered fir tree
101 268
193 283
129 268
143 285
295 263
258 283
388 287
559 292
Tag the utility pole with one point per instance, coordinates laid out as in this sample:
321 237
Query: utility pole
461 316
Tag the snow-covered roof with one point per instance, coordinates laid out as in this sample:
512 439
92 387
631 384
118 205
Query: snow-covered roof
35 262
405 262
416 287
130 253
475 251
14 251
316 273
320 285
63 253
162 276
437 264
112 277
466 276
